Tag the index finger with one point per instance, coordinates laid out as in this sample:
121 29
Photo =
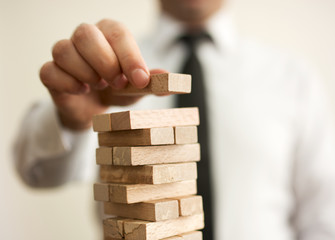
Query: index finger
127 52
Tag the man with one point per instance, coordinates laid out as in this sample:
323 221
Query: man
271 139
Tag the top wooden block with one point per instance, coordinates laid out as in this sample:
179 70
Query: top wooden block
140 119
165 83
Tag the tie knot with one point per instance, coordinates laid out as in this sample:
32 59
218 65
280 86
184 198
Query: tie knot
191 39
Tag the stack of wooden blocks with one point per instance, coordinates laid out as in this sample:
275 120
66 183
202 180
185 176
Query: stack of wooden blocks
148 169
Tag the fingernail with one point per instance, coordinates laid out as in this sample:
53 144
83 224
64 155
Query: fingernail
102 84
140 78
84 88
120 81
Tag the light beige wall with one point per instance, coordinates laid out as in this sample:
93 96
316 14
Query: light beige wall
304 28
28 29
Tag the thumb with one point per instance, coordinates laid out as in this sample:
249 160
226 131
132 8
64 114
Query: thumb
157 71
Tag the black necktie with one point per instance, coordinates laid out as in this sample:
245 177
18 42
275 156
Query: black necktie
197 99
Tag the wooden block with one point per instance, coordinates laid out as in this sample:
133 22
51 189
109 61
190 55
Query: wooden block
102 122
145 192
165 83
140 119
132 156
186 134
149 174
134 193
195 235
139 137
173 238
110 238
190 205
104 156
127 174
157 210
113 228
142 230
101 192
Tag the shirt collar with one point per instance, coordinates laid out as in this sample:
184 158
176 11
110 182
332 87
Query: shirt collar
220 27
222 30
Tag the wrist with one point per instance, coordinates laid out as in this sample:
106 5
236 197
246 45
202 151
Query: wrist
75 123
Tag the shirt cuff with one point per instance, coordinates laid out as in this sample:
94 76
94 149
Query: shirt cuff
69 137
51 138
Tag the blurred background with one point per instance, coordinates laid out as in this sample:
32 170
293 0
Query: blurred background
28 30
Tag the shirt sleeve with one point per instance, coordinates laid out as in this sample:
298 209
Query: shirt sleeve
46 155
314 176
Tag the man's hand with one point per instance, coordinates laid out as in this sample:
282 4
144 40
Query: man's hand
86 70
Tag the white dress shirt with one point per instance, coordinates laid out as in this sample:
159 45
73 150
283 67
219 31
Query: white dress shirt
272 140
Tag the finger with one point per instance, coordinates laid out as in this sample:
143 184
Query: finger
68 59
157 71
107 98
56 79
120 82
124 100
127 52
94 48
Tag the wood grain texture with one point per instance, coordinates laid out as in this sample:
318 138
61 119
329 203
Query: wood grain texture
132 156
102 123
190 205
186 134
113 228
157 210
149 174
173 238
165 83
142 230
140 119
169 173
101 192
104 156
195 235
127 174
134 193
139 137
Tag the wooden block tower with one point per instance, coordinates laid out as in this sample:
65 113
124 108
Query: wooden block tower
148 168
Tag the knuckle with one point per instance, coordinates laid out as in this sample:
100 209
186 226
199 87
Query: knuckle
91 77
113 30
104 22
129 61
109 69
116 34
61 49
46 73
107 23
82 32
